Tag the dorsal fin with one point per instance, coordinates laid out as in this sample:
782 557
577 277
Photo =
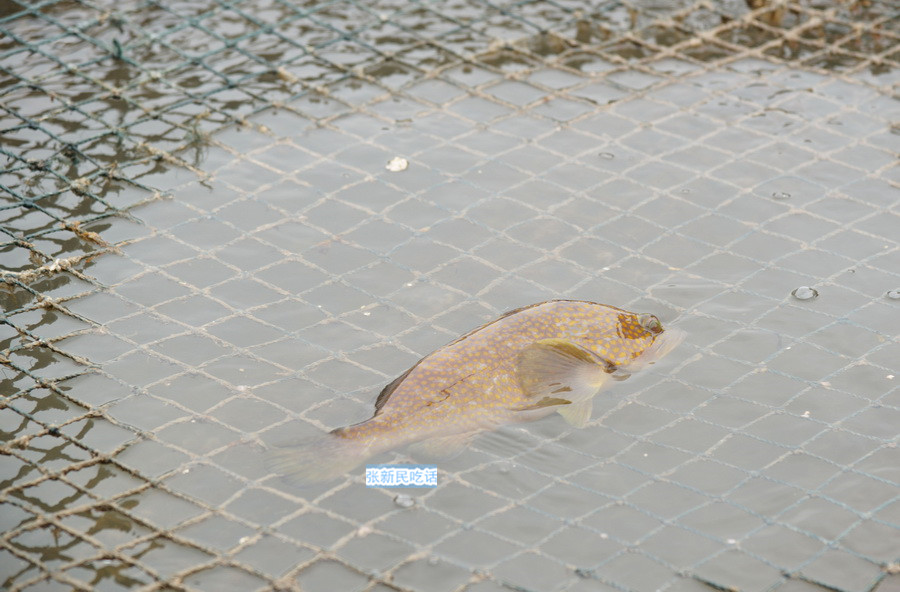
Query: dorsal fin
508 313
387 391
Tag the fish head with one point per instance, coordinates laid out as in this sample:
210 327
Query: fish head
640 328
644 339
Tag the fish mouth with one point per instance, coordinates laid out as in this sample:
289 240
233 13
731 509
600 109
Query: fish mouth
663 343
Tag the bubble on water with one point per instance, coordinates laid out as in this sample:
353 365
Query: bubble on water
504 466
397 164
893 294
805 293
781 195
607 155
404 501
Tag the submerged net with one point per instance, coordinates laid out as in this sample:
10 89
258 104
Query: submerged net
202 253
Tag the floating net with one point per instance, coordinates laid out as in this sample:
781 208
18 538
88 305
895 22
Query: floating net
203 251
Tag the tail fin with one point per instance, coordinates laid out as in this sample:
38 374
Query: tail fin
315 460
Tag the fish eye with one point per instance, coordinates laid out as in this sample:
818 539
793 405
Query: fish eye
650 323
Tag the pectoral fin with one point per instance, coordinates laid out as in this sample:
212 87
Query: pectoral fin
551 369
545 402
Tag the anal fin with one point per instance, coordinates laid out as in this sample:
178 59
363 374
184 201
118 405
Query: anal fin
443 446
578 413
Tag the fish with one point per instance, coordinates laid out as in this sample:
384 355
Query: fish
549 357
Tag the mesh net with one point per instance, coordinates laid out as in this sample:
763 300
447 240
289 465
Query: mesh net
203 253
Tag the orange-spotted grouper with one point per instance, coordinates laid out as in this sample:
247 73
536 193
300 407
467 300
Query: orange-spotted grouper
548 357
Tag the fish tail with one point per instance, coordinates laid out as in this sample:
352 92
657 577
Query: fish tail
315 460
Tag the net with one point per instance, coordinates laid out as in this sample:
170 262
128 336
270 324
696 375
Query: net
203 253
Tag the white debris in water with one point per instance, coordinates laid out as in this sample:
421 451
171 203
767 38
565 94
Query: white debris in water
397 164
404 501
805 293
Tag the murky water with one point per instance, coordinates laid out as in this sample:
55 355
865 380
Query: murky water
230 225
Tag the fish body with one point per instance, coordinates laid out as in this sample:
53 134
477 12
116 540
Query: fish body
548 357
